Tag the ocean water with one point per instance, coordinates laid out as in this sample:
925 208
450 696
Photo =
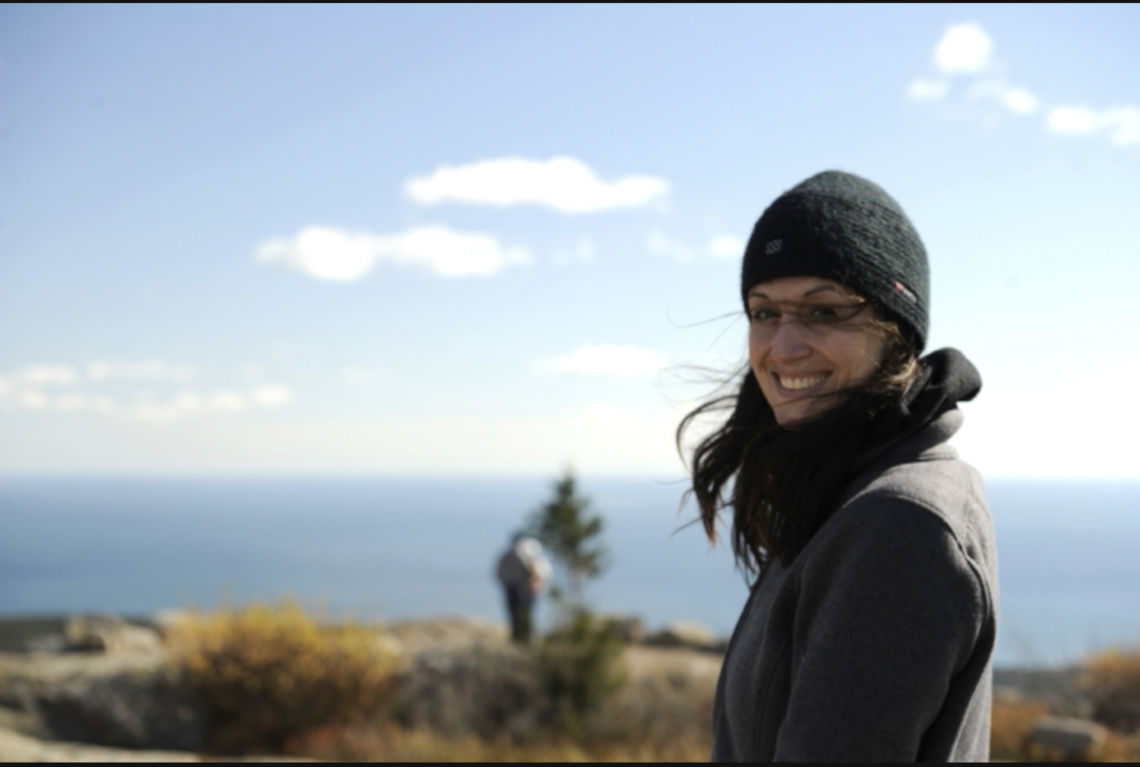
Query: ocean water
396 548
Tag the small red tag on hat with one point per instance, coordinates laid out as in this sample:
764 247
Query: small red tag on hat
900 288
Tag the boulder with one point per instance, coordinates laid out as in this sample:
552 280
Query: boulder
448 631
129 700
485 689
15 747
684 634
1065 739
109 633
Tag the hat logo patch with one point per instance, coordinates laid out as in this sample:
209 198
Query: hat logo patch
774 247
900 288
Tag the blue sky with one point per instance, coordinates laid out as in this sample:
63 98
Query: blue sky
477 240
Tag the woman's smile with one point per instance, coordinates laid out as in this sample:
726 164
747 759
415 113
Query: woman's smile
798 383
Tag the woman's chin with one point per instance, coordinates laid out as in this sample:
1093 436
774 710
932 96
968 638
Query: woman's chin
799 412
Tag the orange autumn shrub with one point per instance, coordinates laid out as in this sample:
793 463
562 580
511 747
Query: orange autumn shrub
267 673
1111 681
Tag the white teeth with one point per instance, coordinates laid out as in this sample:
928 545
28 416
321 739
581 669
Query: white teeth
800 383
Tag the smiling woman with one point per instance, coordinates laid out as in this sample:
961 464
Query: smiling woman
871 624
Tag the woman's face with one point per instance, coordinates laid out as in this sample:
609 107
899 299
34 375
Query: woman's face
809 338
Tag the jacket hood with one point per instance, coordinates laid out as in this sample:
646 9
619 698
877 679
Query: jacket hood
945 378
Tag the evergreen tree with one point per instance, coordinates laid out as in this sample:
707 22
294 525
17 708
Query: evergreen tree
571 533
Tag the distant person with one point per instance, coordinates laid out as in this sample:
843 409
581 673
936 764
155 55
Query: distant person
870 627
524 571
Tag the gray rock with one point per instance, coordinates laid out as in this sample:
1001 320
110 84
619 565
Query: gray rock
684 634
109 633
485 689
15 747
134 700
453 632
1070 739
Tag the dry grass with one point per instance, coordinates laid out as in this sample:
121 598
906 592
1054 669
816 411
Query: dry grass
1011 722
383 742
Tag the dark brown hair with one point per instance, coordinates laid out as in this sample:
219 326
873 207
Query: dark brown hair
782 482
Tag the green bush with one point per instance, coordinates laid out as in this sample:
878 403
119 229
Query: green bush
580 667
268 673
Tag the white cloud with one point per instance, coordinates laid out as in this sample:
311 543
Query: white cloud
726 246
45 375
562 183
23 390
926 89
723 247
34 400
327 254
1120 123
154 369
271 396
448 253
1020 101
623 363
660 245
966 49
1013 98
335 255
963 49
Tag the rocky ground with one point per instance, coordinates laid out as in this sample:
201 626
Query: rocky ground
102 689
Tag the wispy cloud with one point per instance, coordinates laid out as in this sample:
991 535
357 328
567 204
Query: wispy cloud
726 246
153 369
44 375
563 183
36 389
340 256
1121 124
721 247
965 51
623 363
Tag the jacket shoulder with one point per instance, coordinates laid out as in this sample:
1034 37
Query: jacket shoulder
939 483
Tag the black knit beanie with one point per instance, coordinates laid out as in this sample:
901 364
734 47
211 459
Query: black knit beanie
842 227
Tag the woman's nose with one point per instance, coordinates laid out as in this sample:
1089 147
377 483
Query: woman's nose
789 341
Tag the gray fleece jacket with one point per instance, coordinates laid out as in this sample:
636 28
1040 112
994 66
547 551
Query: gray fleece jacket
875 643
